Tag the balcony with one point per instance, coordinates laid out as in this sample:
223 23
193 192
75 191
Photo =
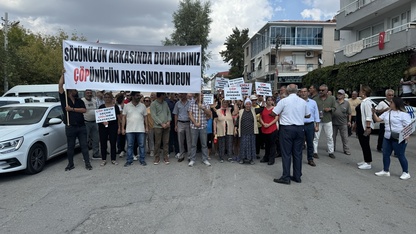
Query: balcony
361 11
395 39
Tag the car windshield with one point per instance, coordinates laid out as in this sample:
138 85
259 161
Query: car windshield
21 115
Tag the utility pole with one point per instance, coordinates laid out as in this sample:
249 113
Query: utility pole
5 31
6 26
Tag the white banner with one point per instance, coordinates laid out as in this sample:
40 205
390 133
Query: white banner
232 93
105 114
208 99
264 89
235 82
102 66
246 89
220 83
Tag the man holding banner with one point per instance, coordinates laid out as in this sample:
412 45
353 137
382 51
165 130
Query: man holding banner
74 108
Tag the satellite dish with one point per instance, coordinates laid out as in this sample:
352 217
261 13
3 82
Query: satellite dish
320 61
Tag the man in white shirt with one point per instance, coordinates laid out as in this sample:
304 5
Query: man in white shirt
382 107
292 110
135 127
92 127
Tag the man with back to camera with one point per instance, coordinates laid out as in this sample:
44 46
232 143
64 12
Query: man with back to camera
292 112
73 109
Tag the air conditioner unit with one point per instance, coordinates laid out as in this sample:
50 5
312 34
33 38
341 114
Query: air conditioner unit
309 54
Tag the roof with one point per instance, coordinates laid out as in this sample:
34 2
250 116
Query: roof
399 51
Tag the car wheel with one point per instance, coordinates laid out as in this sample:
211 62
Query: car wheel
36 159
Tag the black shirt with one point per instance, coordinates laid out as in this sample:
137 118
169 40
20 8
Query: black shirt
75 118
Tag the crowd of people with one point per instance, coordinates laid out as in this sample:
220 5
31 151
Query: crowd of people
160 125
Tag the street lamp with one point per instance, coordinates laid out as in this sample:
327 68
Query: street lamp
6 26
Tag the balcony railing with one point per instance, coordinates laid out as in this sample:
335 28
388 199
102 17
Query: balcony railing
283 67
358 46
354 6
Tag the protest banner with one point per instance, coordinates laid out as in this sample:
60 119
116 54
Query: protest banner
232 93
246 89
264 89
235 82
105 114
221 82
407 131
208 99
102 66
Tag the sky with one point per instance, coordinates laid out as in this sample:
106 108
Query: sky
148 22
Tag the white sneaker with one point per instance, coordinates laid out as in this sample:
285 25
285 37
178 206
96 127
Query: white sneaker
405 176
191 163
121 154
152 153
360 163
365 166
178 155
135 158
382 173
206 163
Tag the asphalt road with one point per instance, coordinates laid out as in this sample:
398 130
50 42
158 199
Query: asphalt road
334 197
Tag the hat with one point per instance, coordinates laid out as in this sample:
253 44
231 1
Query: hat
253 97
247 100
341 91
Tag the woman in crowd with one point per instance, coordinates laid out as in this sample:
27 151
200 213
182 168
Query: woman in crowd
364 125
395 120
269 130
109 130
246 128
224 127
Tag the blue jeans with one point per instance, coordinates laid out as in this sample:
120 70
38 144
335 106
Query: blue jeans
139 138
399 149
202 134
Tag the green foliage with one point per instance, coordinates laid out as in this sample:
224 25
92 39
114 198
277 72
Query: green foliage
33 58
234 53
381 73
192 27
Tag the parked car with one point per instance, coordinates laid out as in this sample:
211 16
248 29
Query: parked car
14 100
31 133
45 99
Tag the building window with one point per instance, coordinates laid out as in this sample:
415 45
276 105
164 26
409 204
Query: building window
336 35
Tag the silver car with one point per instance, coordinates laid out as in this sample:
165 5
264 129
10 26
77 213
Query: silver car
31 133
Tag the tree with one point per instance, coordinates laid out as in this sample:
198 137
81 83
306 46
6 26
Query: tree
234 53
192 27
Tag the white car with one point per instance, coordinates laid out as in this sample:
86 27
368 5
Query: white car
31 133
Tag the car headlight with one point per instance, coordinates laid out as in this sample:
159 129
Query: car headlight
10 145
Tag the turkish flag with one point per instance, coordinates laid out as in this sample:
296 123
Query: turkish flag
381 40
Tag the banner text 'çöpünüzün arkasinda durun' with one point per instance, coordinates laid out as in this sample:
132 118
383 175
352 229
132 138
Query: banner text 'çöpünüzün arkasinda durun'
101 66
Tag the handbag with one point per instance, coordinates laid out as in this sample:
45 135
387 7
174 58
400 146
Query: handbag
393 135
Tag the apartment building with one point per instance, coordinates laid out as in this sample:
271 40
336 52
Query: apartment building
281 52
369 29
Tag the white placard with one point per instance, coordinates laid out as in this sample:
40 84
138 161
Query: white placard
105 114
221 82
208 99
235 82
264 89
407 131
246 89
232 93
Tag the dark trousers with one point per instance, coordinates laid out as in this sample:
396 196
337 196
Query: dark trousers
121 143
364 143
270 146
108 133
291 143
72 133
277 143
309 135
173 140
380 136
353 119
259 141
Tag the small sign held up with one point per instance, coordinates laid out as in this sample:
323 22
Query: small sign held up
235 82
232 93
208 99
105 114
221 82
264 89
